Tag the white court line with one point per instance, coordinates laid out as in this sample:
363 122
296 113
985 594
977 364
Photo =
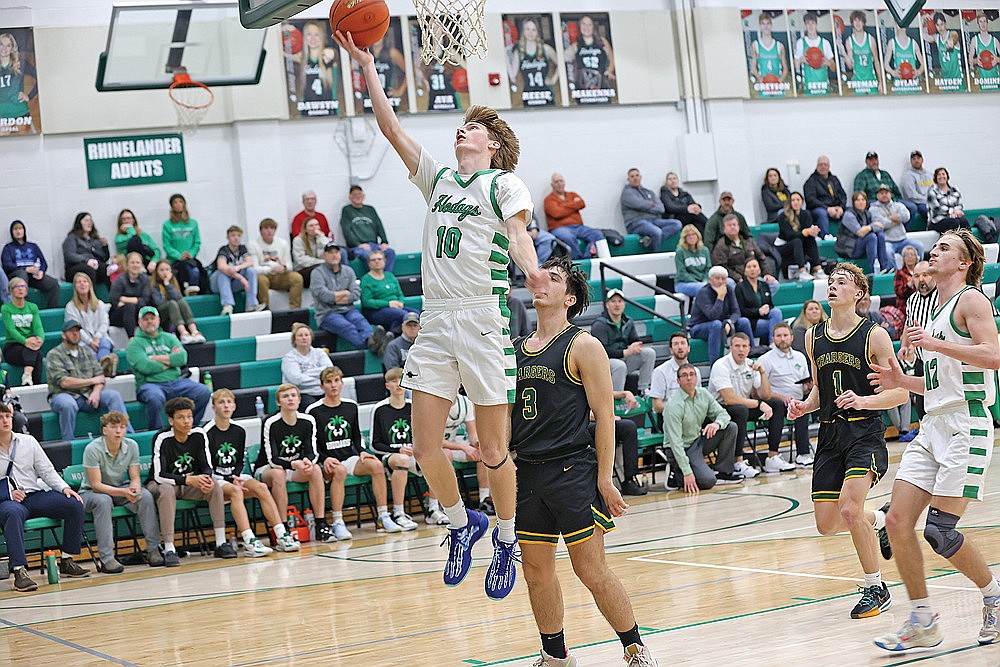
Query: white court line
806 575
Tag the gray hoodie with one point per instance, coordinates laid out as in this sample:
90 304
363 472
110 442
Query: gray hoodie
915 184
324 282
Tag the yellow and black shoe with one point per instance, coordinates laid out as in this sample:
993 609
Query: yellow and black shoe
874 600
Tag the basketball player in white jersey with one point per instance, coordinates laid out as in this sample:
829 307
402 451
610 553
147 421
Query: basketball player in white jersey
477 220
945 465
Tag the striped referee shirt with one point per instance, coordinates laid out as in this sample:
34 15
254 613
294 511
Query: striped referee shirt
918 311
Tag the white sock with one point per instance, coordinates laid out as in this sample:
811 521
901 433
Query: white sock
168 547
991 590
247 536
337 516
922 610
879 522
382 510
279 530
484 493
433 504
397 510
220 536
457 515
874 579
505 530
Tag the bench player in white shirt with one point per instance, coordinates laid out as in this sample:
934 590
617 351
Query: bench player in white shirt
944 467
476 222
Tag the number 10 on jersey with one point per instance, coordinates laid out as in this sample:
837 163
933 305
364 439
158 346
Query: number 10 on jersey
448 241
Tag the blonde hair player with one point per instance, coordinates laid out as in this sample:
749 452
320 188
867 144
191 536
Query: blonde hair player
944 467
476 222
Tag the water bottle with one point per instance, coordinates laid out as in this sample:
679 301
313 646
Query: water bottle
258 406
208 381
52 567
311 523
290 523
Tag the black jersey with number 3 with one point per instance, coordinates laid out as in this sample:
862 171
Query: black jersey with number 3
842 365
551 413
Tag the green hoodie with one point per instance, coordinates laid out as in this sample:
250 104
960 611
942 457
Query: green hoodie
181 237
20 323
121 242
144 346
377 294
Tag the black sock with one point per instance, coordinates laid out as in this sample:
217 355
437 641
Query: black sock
554 645
630 637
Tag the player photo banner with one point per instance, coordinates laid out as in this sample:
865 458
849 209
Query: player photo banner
944 50
19 110
813 58
589 58
982 37
856 36
903 56
438 87
765 36
312 68
532 64
391 67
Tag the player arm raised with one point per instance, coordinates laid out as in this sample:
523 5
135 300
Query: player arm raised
522 248
388 123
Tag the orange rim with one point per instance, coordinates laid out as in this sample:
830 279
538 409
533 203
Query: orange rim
184 80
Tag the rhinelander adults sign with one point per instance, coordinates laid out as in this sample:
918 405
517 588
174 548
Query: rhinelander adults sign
114 162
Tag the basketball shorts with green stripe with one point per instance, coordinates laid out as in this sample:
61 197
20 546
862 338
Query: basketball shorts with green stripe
560 497
951 454
464 342
846 449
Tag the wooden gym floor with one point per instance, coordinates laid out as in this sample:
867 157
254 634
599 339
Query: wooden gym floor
735 576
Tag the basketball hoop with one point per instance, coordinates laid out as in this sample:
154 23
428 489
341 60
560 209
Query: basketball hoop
191 101
452 30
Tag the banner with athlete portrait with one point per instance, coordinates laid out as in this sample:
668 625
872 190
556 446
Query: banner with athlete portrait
391 66
944 50
813 57
312 69
19 107
765 37
859 53
532 64
438 87
982 37
902 57
589 58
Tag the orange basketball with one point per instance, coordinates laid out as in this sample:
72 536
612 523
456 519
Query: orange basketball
906 71
815 57
986 59
771 78
460 80
366 20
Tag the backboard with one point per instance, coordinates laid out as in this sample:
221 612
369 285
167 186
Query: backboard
264 13
148 43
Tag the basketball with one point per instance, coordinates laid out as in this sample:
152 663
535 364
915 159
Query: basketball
986 59
838 23
906 71
366 20
929 25
460 80
291 39
814 57
509 33
771 78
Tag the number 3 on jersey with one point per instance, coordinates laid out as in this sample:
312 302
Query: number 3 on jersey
448 241
530 409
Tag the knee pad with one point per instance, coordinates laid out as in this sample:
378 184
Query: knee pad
940 532
499 465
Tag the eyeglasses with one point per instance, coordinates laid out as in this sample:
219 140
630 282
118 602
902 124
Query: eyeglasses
19 286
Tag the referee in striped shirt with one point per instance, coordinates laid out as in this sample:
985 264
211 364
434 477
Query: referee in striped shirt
919 306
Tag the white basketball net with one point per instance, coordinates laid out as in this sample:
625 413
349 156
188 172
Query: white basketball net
452 30
191 101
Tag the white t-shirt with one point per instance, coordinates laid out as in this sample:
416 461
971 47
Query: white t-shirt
727 374
784 370
663 383
268 255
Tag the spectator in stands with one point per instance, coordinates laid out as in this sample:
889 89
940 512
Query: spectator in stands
309 211
562 216
519 323
756 303
165 294
872 177
156 358
307 249
234 271
84 249
381 295
680 205
864 309
289 454
732 251
892 216
693 260
28 467
744 390
399 347
77 382
664 383
274 266
690 438
858 236
626 441
642 211
786 368
825 196
25 336
181 242
797 239
111 479
812 313
129 293
773 193
919 308
181 469
617 334
713 230
24 259
131 238
341 454
391 436
715 313
904 283
363 230
334 290
916 183
944 204
92 314
303 364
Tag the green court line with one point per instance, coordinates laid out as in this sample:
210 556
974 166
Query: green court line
805 599
474 662
933 656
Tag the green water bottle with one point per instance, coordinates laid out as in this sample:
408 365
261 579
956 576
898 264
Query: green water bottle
52 567
208 381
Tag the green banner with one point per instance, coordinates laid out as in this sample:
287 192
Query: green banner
114 162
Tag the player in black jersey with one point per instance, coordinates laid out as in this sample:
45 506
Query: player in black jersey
564 484
851 455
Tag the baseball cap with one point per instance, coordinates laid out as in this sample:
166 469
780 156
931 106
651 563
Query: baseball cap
330 246
870 154
71 324
916 153
411 317
883 186
613 293
726 194
147 310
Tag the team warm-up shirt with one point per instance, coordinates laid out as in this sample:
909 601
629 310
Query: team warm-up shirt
173 461
226 450
338 434
465 238
285 443
391 427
